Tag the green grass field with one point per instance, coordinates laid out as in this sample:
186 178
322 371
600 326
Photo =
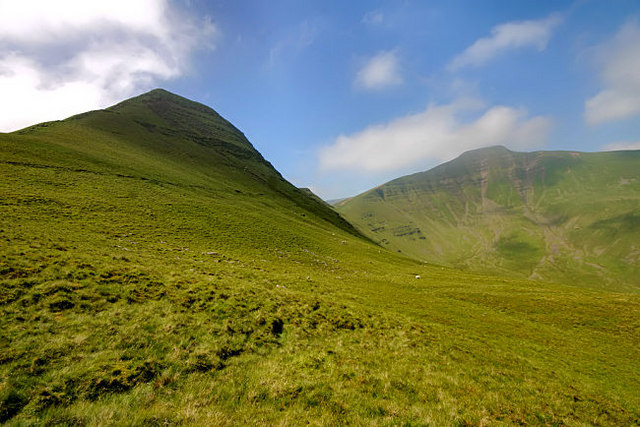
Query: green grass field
153 272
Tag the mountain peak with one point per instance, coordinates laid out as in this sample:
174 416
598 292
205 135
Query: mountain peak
161 100
161 92
162 111
159 95
491 151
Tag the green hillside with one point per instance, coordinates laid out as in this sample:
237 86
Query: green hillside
156 270
559 216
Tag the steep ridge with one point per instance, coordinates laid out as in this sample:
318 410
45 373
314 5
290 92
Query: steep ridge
563 216
156 270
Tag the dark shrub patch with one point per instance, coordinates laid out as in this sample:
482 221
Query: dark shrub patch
61 303
277 326
10 404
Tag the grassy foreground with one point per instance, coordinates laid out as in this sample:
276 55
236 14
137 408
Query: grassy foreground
143 288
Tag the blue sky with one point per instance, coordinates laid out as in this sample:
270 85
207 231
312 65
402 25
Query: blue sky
342 96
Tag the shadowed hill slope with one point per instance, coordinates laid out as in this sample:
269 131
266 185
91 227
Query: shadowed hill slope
156 270
560 216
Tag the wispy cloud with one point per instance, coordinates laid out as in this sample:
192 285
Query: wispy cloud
379 72
374 17
506 37
622 145
295 41
620 61
439 133
68 56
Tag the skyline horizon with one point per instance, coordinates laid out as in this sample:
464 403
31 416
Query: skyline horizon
341 98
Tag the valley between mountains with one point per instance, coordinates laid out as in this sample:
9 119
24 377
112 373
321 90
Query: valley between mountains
155 269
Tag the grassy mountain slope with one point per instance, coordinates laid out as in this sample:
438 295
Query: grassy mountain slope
166 139
153 271
560 216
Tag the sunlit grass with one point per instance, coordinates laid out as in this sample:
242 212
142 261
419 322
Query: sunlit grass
169 294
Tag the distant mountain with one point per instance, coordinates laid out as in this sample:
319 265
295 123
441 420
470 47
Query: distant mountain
560 216
333 202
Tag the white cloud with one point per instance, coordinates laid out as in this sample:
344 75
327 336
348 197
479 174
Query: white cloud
620 59
374 17
622 145
440 133
505 37
294 41
68 56
379 72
